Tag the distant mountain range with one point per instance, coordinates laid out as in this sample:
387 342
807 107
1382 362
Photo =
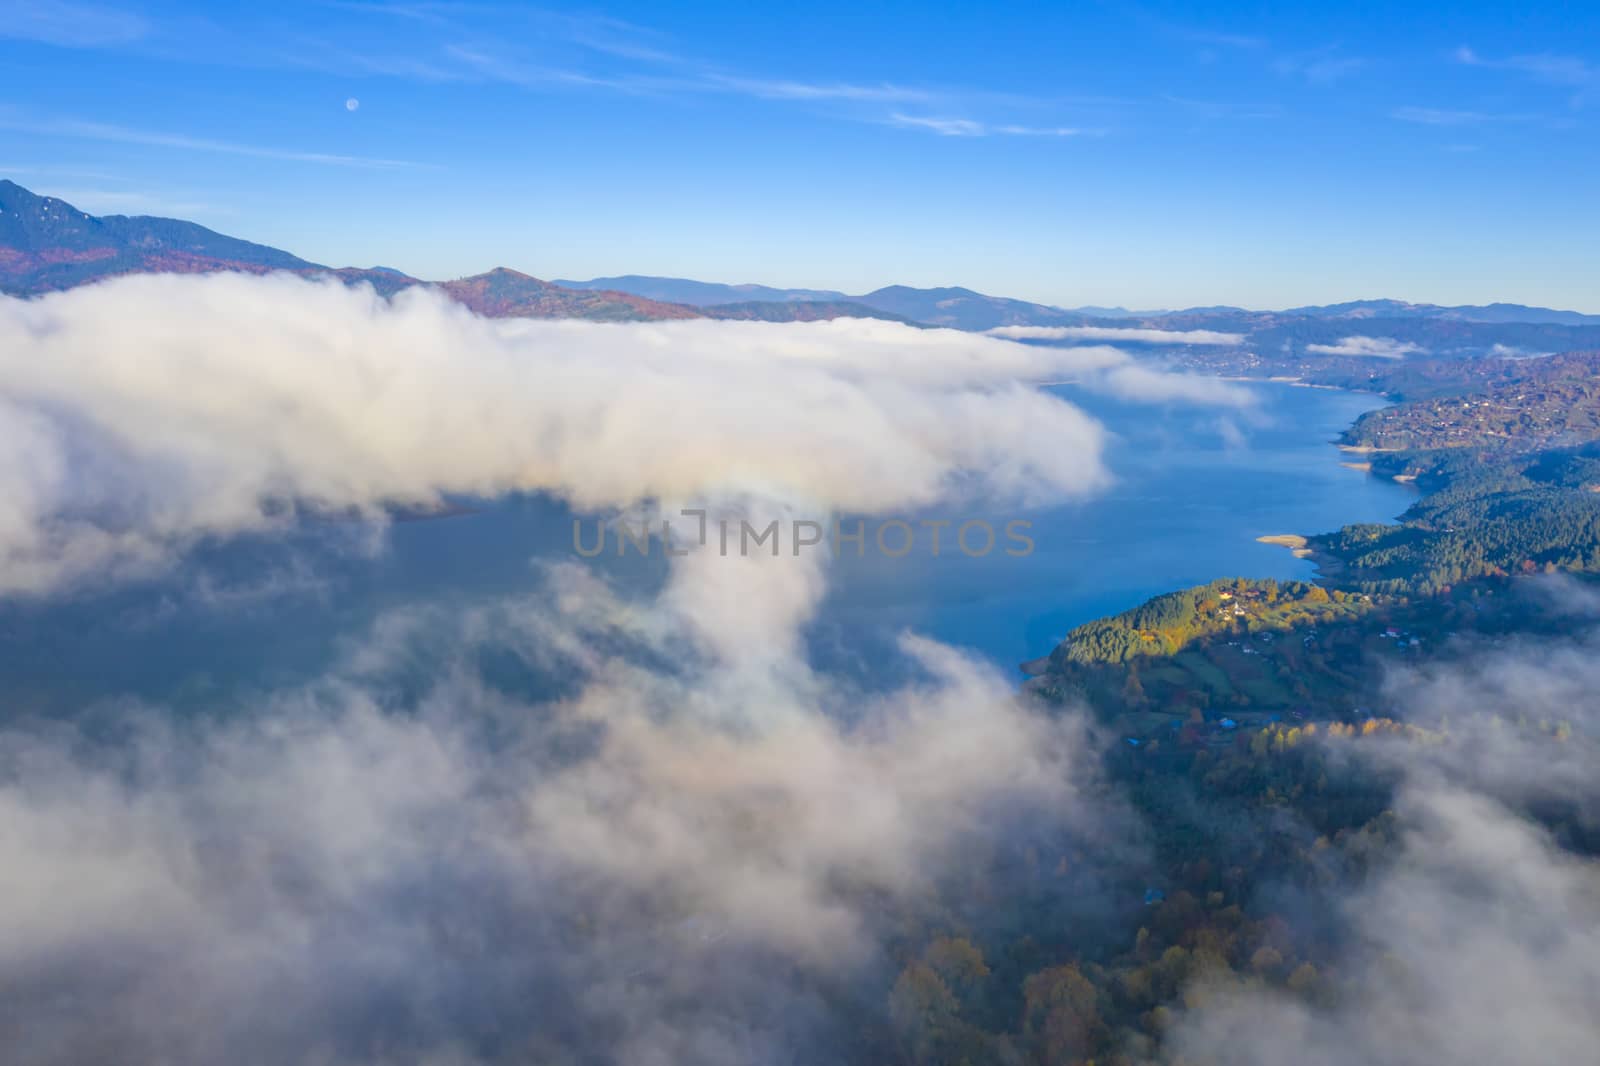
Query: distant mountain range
46 244
701 293
965 309
956 308
953 307
800 311
1490 313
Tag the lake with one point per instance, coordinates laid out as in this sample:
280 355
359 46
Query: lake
1193 489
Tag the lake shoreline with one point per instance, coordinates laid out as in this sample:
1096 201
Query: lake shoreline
1293 541
1299 545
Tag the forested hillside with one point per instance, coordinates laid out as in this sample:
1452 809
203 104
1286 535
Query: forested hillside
1544 403
1267 732
1266 752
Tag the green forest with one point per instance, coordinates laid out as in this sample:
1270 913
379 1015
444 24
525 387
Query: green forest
1262 812
1234 714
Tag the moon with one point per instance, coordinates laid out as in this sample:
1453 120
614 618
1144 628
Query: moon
351 104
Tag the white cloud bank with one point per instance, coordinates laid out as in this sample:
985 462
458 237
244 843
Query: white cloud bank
649 868
685 853
139 414
669 865
1120 334
1376 347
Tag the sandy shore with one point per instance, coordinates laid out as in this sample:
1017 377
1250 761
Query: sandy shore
1293 541
1358 466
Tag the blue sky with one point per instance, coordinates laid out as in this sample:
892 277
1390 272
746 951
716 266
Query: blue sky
1074 153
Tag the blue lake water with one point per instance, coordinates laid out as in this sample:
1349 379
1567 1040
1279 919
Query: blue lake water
1193 489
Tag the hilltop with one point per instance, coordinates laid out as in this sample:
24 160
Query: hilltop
505 293
47 245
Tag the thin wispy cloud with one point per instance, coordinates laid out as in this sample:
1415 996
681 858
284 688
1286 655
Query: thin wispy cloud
327 57
800 90
79 129
601 34
690 79
1565 71
612 36
99 201
944 127
856 101
1434 116
1367 347
1322 66
478 64
1219 109
1204 35
69 25
1438 116
43 170
492 67
966 127
544 51
1042 131
1556 69
1222 38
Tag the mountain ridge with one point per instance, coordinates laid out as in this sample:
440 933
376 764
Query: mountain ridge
506 293
701 293
899 297
47 244
1497 312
